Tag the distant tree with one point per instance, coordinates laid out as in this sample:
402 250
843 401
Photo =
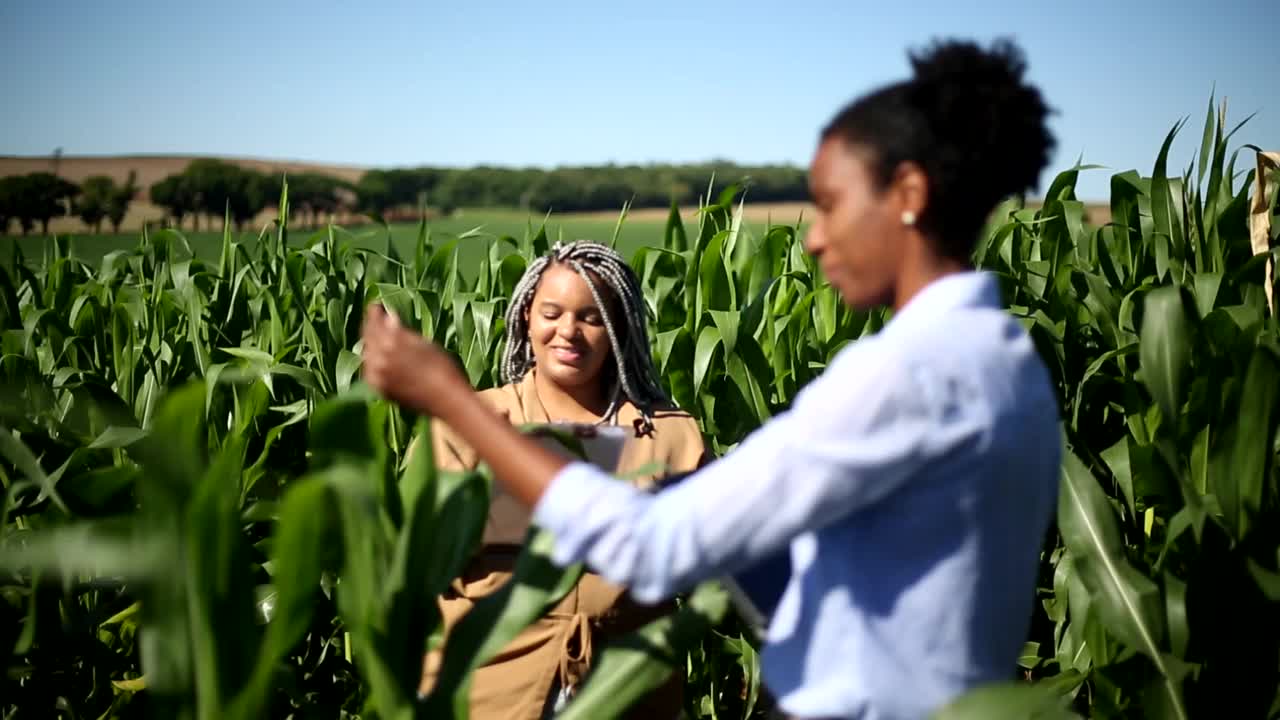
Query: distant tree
246 194
9 196
264 190
380 191
374 192
42 197
318 195
121 198
222 187
175 195
96 193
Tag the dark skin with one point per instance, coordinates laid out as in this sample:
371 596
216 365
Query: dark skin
862 237
866 249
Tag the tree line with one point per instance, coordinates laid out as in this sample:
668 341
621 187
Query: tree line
37 198
210 188
214 187
572 189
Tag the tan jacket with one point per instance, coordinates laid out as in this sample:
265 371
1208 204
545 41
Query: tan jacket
557 648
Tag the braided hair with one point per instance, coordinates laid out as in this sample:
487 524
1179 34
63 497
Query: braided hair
636 378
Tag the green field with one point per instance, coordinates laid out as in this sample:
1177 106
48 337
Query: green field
206 513
477 228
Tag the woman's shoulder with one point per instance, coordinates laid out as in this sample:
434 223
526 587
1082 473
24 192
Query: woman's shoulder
502 397
498 393
452 452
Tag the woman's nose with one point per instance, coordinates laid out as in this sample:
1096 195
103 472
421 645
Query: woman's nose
567 328
815 241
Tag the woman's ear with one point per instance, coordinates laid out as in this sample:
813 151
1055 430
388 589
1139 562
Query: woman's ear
910 191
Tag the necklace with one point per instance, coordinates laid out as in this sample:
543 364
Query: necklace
610 416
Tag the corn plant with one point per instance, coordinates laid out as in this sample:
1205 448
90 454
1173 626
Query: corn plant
741 322
206 513
1162 579
247 368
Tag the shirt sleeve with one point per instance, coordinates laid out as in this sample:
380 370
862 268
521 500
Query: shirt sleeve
852 437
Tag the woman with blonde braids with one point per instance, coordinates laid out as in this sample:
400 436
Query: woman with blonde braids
577 351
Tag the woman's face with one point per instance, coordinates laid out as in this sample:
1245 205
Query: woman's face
857 232
566 328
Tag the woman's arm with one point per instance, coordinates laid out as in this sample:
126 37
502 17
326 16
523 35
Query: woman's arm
855 435
417 374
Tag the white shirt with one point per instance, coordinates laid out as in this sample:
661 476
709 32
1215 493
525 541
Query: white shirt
913 482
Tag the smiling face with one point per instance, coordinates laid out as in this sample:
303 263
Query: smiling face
857 235
566 329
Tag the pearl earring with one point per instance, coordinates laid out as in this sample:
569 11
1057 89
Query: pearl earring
908 217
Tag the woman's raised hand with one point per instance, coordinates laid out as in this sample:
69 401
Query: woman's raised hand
405 367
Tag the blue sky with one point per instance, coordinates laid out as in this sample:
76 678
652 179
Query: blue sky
550 83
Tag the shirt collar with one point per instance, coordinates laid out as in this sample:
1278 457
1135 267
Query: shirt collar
968 289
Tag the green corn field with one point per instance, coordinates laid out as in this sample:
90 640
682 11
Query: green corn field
207 515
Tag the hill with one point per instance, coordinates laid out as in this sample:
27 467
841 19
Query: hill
152 168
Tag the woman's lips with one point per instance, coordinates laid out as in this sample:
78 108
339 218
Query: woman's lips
566 355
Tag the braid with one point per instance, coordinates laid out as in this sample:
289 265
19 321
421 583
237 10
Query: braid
637 377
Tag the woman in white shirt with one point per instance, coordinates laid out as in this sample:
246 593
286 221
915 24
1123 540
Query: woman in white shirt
912 482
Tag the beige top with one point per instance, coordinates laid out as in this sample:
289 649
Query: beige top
516 683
